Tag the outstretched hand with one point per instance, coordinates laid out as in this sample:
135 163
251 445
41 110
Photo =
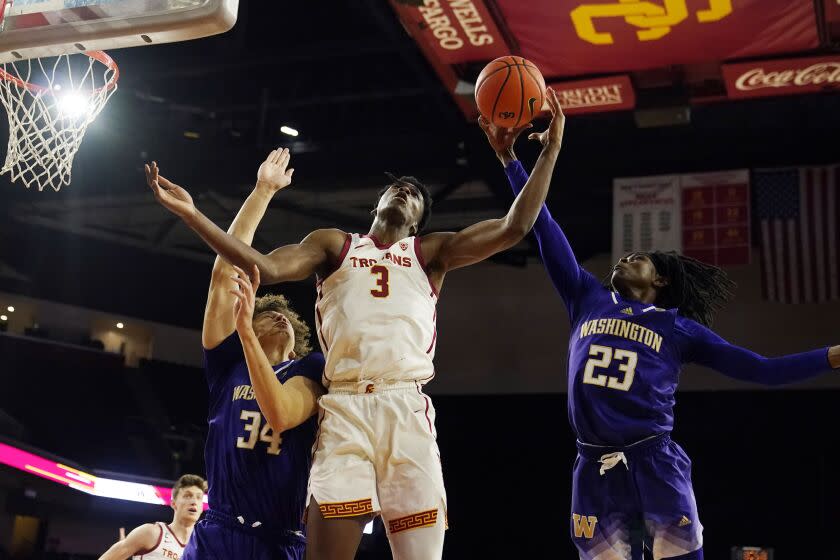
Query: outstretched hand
553 135
502 139
273 174
246 295
834 357
173 197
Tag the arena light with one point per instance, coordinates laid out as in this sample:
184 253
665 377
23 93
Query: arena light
120 325
11 309
289 130
3 318
83 481
73 104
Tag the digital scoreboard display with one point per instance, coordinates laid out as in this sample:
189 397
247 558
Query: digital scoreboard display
752 553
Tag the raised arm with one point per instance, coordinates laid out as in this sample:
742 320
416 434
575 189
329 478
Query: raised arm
702 346
288 263
284 405
563 268
272 176
447 251
142 539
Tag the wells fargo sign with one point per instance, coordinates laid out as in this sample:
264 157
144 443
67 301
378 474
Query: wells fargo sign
455 30
572 37
782 77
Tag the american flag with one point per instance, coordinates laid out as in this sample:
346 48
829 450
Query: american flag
799 210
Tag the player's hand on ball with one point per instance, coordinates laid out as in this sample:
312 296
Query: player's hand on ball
553 136
246 295
502 139
273 174
173 197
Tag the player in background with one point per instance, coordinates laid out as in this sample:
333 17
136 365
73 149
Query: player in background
257 453
159 541
376 450
629 341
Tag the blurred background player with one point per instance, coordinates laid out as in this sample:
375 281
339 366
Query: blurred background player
257 464
376 450
629 342
159 541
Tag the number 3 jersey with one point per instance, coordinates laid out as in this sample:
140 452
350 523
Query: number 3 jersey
253 472
376 313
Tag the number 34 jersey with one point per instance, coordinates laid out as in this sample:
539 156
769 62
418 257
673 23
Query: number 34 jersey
254 472
376 313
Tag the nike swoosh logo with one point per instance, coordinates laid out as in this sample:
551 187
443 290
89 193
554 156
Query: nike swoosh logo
421 410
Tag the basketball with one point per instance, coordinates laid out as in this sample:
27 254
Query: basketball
510 91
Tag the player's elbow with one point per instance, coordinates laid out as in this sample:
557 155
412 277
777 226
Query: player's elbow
278 424
514 230
278 417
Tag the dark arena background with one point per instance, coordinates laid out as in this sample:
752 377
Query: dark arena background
693 110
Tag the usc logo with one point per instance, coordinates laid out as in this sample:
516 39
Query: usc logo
654 21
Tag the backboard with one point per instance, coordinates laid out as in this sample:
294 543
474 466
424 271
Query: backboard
43 28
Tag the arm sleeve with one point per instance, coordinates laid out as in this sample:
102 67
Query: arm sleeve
700 345
310 366
568 277
219 360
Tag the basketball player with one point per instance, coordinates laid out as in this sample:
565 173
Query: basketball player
159 541
376 450
629 342
258 451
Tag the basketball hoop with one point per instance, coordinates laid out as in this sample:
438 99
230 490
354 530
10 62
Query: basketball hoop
50 102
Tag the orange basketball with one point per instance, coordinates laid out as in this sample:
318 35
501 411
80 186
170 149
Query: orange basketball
510 91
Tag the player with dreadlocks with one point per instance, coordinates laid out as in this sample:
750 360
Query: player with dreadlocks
629 340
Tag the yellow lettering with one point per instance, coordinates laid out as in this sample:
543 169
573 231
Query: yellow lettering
584 525
653 20
583 18
718 9
602 326
584 329
625 329
657 342
634 332
611 326
648 338
658 26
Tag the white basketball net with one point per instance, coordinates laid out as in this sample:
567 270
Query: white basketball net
50 102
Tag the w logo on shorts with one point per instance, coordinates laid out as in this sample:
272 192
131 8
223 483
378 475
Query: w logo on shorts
584 525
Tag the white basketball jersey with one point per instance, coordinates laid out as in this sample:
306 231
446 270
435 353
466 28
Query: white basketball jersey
376 314
167 548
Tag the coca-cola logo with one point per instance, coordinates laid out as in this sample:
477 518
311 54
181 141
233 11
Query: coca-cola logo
823 73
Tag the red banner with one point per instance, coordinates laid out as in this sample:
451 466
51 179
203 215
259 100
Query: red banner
782 77
455 30
716 217
832 11
571 37
590 96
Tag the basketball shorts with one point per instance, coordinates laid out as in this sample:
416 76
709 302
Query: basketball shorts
219 537
376 452
623 497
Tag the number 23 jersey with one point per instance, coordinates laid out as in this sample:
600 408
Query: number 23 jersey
252 471
376 313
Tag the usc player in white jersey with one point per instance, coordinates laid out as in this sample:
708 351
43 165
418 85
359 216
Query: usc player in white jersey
376 451
159 541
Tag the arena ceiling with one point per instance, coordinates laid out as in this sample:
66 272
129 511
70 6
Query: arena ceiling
360 87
